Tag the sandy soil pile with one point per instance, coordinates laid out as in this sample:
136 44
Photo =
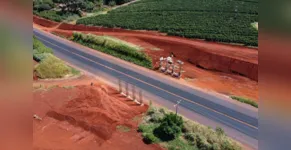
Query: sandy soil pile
85 117
94 110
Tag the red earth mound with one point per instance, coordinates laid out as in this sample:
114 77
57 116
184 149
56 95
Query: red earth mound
85 117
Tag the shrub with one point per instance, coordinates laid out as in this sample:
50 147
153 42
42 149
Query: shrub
40 50
123 128
112 3
226 145
156 117
245 100
219 131
52 67
89 6
191 137
216 146
187 127
51 15
43 7
151 110
149 138
180 144
170 128
48 2
72 18
148 128
202 142
40 57
162 110
142 128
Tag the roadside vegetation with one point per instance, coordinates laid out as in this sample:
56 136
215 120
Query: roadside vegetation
71 10
114 47
222 21
245 100
50 67
174 132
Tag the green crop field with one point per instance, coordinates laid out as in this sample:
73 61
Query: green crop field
213 20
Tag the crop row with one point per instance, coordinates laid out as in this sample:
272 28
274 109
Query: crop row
240 6
222 27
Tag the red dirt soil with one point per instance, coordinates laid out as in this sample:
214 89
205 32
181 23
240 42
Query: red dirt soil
85 117
226 69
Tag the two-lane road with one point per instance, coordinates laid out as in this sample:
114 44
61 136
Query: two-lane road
214 108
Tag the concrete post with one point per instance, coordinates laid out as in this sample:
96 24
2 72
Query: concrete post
126 89
180 69
133 93
119 86
140 98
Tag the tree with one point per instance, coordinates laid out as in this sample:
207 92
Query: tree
89 6
118 2
170 128
99 3
72 5
112 3
41 5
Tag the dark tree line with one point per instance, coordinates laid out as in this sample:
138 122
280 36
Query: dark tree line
118 2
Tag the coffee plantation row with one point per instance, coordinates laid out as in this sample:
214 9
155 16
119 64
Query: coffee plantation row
214 20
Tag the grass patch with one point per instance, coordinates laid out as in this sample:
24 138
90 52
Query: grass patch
52 87
52 67
40 51
194 136
122 128
59 35
136 119
245 100
114 47
155 49
44 88
116 41
38 87
75 72
68 87
179 144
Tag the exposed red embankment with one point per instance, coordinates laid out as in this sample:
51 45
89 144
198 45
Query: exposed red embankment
243 62
224 64
197 56
65 26
44 22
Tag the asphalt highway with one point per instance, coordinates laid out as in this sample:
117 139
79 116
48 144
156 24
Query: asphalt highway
195 101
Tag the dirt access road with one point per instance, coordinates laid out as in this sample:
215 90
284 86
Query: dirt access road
222 68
